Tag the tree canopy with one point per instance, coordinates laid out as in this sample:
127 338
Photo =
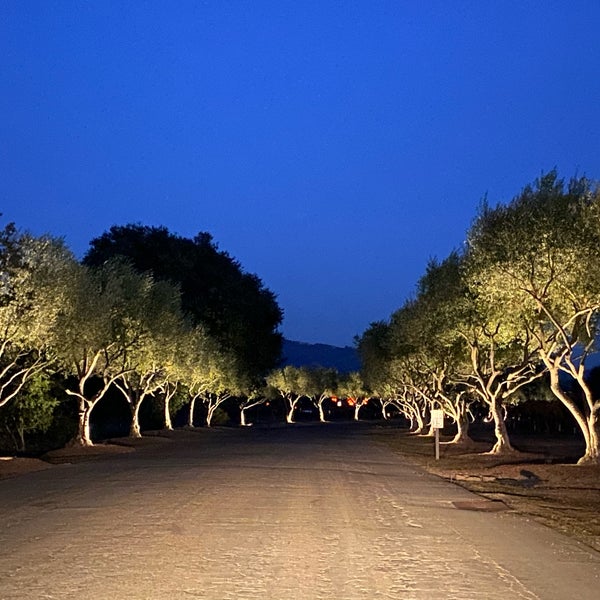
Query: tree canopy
520 299
234 306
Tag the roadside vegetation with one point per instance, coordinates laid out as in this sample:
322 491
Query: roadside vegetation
147 324
154 331
510 316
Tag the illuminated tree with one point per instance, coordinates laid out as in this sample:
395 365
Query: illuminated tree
373 347
32 410
171 399
156 329
253 397
286 382
94 333
447 346
197 369
432 333
537 260
487 354
352 387
318 385
412 364
34 286
233 306
389 377
215 381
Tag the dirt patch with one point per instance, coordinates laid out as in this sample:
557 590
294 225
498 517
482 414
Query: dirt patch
11 466
539 482
72 454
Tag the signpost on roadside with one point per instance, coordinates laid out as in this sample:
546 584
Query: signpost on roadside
437 422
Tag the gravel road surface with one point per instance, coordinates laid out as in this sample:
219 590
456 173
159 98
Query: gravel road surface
301 512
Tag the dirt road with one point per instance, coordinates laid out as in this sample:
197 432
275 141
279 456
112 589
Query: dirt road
306 512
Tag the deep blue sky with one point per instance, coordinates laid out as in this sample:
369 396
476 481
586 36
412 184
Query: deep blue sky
331 147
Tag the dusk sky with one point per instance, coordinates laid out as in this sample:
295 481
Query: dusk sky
331 147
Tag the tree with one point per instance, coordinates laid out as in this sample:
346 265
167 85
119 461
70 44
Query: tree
412 367
287 382
34 272
253 397
537 259
374 351
156 327
352 388
318 385
227 381
173 398
31 411
448 345
389 375
498 355
197 367
94 333
233 306
436 314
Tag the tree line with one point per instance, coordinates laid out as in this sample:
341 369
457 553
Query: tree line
146 313
511 314
149 317
154 317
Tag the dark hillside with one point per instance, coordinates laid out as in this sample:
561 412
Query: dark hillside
300 354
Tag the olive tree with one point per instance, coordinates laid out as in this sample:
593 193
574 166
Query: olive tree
94 333
286 382
197 368
537 259
351 386
253 397
318 385
32 410
437 312
155 328
227 381
411 365
34 287
389 374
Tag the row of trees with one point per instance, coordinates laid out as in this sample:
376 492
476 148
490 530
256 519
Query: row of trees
512 313
317 385
147 313
150 317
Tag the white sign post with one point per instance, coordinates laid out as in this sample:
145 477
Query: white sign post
437 422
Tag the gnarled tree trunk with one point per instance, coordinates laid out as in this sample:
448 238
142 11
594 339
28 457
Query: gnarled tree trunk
502 444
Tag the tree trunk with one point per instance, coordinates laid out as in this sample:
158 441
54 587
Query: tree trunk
289 417
383 412
191 412
462 428
134 428
502 444
419 419
168 422
588 426
21 431
83 436
592 442
169 392
357 409
321 412
243 417
209 414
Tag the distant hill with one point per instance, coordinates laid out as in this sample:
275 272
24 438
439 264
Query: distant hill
301 354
